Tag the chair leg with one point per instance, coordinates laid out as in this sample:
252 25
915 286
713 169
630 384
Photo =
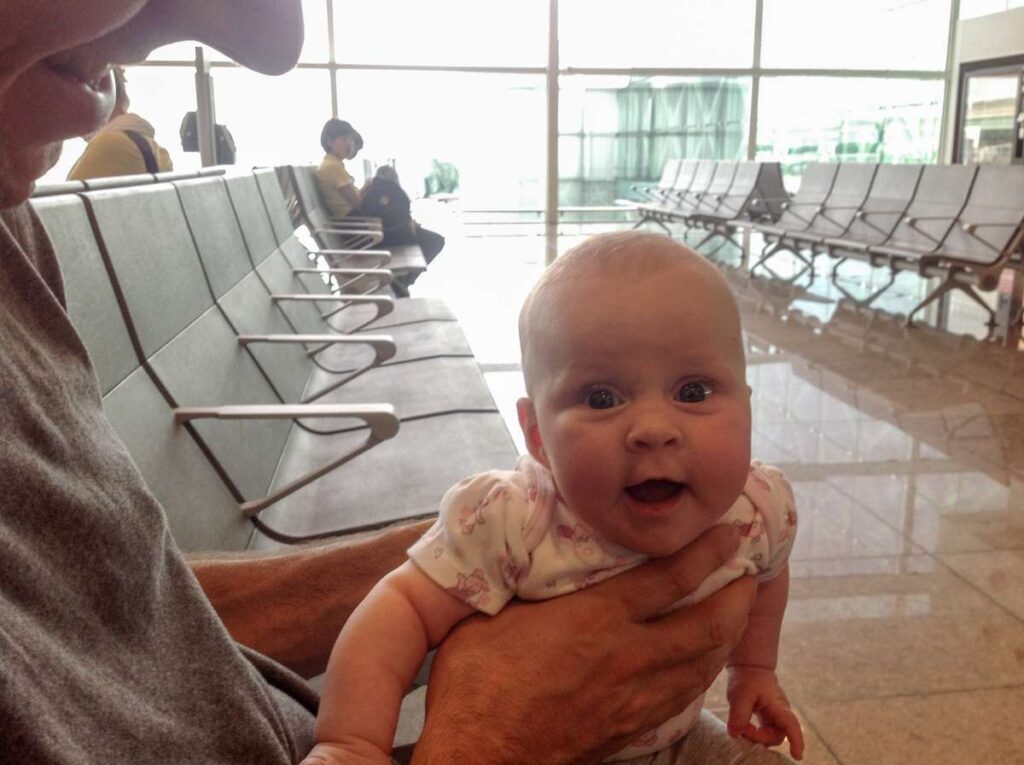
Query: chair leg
950 283
865 301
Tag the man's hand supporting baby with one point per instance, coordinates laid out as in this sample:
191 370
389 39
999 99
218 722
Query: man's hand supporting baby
569 679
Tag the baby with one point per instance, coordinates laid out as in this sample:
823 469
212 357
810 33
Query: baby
637 423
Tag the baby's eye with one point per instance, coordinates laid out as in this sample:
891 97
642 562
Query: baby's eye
602 398
694 392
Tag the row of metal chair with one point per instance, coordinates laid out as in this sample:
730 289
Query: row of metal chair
261 406
961 223
713 195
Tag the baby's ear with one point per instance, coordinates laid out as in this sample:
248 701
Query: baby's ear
531 430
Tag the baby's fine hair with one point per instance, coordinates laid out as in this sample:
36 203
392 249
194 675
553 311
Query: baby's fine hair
617 256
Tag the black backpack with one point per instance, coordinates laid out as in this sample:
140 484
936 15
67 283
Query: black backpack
386 200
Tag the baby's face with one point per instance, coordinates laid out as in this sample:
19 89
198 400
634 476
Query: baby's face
640 405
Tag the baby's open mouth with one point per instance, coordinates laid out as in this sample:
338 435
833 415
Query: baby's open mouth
655 490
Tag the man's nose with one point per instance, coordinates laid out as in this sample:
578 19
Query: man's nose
653 428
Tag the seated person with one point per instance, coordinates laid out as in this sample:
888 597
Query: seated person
338 189
384 198
126 145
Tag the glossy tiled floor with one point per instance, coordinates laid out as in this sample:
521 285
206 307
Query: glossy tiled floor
904 637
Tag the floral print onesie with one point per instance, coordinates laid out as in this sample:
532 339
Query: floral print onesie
505 534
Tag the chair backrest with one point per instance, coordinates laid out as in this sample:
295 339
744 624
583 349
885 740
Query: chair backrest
702 175
274 264
937 203
54 189
201 511
669 173
188 344
683 179
275 203
118 181
736 201
990 226
850 189
771 194
815 184
891 192
237 288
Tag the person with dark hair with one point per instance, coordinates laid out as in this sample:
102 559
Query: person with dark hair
340 141
126 145
384 198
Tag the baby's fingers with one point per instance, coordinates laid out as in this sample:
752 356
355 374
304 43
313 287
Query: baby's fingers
740 711
783 721
768 735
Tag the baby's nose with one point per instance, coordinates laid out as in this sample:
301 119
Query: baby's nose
653 431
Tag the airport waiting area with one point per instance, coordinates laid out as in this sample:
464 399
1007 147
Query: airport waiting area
286 374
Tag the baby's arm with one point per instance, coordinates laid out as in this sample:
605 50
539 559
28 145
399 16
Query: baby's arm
753 686
374 662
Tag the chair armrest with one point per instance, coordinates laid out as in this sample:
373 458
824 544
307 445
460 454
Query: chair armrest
374 235
381 272
381 418
383 345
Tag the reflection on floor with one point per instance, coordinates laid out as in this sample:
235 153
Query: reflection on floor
904 637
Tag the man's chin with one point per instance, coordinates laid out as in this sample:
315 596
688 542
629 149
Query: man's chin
20 171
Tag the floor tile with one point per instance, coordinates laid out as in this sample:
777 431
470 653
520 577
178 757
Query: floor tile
965 728
999 575
868 629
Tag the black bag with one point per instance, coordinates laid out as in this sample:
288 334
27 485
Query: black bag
386 200
224 143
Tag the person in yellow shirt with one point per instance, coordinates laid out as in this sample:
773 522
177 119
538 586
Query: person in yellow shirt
340 141
126 145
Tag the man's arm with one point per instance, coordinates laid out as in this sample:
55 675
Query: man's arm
576 678
291 606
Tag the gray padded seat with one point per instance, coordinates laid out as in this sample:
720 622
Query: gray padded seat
416 337
798 214
320 224
669 173
425 388
891 194
711 199
194 354
201 511
247 193
940 197
850 190
990 226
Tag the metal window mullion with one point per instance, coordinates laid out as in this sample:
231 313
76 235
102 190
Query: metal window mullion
755 81
551 79
947 93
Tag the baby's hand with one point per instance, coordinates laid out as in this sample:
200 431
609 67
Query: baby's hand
754 690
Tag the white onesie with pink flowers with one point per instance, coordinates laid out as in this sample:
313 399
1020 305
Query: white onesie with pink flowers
505 534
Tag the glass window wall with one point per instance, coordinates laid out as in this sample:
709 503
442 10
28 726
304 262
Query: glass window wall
803 119
870 34
487 128
441 32
618 131
656 33
274 120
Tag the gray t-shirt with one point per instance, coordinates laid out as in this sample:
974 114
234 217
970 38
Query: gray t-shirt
109 651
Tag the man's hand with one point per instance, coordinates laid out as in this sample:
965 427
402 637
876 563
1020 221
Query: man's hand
580 676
